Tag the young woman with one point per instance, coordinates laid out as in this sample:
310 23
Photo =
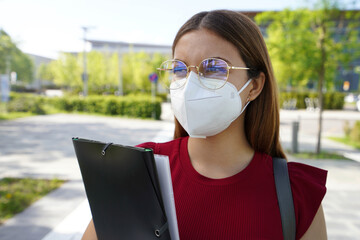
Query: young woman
225 101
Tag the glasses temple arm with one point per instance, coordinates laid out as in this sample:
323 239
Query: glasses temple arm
244 68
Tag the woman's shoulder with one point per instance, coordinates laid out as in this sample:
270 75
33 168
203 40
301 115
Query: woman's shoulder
308 190
164 148
307 173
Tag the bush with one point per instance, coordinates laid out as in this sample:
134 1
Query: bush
113 106
347 129
142 106
332 100
163 96
94 104
355 132
137 106
26 103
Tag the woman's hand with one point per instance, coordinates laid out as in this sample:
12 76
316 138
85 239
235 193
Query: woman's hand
90 233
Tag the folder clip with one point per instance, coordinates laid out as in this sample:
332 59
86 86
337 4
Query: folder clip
104 149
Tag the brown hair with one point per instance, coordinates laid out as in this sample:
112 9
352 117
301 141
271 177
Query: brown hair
262 115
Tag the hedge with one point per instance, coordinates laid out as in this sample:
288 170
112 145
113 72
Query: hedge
131 106
332 100
25 103
137 106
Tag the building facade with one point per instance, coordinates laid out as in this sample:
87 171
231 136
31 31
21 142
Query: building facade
124 47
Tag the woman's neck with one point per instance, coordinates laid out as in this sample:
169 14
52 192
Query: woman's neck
222 155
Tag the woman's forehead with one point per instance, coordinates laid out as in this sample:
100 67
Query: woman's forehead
201 44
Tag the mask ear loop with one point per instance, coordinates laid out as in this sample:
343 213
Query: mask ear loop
244 107
245 85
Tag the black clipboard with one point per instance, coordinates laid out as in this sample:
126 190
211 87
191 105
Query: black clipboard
123 191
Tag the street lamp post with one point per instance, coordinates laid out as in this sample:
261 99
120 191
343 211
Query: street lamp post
85 76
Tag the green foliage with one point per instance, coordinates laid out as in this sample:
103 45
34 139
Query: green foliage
332 100
17 194
163 96
321 155
25 103
68 104
136 68
5 115
67 71
14 59
14 115
130 106
352 135
94 104
296 38
347 141
103 70
136 106
347 129
355 132
7 47
44 72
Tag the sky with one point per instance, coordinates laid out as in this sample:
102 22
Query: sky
47 27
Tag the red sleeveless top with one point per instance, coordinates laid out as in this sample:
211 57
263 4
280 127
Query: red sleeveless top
243 206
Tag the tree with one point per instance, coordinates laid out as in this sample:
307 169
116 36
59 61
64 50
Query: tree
310 45
136 68
113 70
12 59
103 69
67 72
44 72
96 68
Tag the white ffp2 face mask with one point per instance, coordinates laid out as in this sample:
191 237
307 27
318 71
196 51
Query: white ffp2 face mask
203 112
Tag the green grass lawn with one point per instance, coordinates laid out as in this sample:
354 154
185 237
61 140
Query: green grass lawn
347 141
17 194
322 155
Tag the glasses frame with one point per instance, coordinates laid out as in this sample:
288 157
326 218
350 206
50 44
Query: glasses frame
228 68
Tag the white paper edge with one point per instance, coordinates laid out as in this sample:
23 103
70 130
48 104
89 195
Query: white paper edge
164 175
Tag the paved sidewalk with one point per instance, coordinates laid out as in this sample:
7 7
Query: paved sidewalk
333 126
64 213
40 147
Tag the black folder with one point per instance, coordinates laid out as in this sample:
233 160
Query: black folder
123 191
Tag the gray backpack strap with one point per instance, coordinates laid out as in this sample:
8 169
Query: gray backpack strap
285 199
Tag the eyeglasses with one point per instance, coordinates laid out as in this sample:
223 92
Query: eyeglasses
213 73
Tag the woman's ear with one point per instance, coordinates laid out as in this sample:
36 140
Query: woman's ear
257 86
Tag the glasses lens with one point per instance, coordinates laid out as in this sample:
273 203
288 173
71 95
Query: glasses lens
173 74
213 73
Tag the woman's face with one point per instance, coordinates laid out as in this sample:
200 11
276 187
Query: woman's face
195 46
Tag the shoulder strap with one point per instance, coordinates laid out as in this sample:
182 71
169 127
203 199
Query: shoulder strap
285 199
